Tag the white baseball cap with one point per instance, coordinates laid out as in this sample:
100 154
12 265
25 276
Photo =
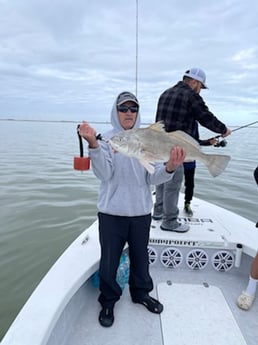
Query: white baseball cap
197 74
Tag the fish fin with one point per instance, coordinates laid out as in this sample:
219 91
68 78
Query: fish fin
185 138
157 126
150 168
216 164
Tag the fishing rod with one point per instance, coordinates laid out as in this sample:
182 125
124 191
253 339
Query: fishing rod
223 142
136 45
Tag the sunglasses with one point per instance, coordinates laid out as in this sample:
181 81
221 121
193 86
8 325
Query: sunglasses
125 108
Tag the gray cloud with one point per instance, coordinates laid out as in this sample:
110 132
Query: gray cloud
69 59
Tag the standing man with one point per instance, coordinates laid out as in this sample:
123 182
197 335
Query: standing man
180 107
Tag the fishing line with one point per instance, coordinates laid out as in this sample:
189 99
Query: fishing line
136 47
223 142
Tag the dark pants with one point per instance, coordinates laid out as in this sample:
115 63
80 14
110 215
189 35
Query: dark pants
189 184
114 232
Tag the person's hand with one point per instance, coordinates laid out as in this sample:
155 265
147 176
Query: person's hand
177 157
88 133
228 132
213 141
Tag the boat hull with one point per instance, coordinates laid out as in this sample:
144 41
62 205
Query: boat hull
217 252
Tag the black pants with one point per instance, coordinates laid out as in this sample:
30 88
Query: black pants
189 184
114 232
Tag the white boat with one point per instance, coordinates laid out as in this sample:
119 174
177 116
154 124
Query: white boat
197 276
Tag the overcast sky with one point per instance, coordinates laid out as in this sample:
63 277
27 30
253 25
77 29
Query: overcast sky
68 59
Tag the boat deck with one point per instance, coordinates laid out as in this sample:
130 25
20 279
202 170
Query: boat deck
196 294
197 276
198 288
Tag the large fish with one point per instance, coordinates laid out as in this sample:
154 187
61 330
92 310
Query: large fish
153 144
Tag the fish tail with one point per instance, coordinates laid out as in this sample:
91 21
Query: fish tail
216 164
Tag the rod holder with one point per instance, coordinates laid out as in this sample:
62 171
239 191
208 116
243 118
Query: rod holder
238 255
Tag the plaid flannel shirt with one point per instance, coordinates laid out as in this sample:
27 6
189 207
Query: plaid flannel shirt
180 107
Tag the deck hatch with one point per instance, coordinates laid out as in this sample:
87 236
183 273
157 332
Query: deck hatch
197 314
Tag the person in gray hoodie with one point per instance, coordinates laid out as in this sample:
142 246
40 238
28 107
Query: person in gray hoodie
124 209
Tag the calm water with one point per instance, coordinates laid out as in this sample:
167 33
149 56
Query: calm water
45 204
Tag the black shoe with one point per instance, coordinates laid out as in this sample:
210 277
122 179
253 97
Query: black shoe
188 211
150 303
106 317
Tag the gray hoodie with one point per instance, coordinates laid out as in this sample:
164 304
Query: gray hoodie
125 188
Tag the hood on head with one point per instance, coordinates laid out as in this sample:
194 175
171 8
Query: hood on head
120 99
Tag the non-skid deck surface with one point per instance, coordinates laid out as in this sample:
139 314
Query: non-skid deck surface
196 315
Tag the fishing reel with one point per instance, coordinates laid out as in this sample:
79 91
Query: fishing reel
221 143
216 142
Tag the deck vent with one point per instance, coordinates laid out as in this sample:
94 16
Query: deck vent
171 257
197 259
223 261
152 255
